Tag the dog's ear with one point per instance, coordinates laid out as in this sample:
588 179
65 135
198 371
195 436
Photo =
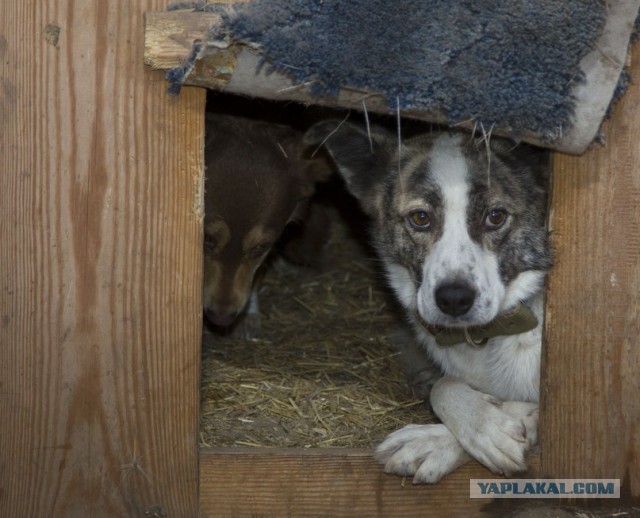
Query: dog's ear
522 156
307 169
362 157
312 171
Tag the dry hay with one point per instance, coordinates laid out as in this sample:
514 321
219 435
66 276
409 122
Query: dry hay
323 373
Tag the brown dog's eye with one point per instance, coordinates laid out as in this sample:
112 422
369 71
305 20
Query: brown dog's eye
495 218
420 220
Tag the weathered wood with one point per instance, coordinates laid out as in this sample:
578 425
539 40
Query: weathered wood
591 376
233 68
100 298
237 68
100 225
169 36
238 482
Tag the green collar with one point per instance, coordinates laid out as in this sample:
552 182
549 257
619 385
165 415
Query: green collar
516 321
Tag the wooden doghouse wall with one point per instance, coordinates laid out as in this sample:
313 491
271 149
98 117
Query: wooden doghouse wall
100 269
590 426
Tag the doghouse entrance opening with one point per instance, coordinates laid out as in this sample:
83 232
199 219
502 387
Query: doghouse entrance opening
323 371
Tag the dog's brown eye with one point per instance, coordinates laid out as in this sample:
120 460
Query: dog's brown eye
495 219
420 220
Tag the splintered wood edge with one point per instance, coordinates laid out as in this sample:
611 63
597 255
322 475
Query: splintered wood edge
328 482
169 36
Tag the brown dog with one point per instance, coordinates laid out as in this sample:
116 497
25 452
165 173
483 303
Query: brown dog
257 182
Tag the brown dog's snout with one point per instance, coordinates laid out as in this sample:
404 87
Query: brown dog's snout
226 291
221 317
223 307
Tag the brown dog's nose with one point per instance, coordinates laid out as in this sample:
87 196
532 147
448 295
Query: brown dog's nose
221 317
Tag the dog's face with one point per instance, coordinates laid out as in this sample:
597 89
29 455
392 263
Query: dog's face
460 228
256 183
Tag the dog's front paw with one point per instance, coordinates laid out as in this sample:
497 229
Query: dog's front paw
501 435
496 433
425 452
527 413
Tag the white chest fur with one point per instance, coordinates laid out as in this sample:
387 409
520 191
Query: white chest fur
507 367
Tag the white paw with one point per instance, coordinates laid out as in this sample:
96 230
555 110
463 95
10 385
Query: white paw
528 414
425 452
497 436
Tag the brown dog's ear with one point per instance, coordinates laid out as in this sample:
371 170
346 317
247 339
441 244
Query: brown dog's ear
362 157
312 171
308 169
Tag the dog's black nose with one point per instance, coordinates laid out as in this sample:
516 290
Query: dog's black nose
455 298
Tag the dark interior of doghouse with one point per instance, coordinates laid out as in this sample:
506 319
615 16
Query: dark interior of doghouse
323 371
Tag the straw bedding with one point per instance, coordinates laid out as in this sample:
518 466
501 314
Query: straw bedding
324 372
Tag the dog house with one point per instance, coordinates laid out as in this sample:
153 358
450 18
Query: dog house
100 301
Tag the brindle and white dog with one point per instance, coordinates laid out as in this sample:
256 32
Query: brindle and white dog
460 227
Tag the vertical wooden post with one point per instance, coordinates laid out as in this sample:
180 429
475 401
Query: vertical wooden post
591 374
100 270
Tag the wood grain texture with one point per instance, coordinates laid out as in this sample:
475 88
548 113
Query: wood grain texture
237 482
591 371
169 36
100 269
237 67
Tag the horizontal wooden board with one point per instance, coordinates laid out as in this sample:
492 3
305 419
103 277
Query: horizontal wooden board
236 482
238 67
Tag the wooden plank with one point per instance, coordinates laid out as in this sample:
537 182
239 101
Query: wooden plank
591 382
236 482
169 36
236 67
100 275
